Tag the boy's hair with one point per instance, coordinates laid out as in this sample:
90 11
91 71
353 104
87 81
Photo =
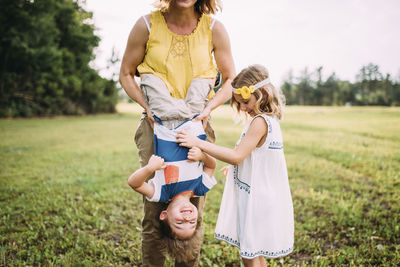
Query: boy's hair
201 6
182 250
270 100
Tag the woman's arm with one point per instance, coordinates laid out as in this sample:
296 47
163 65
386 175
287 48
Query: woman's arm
223 58
256 132
133 56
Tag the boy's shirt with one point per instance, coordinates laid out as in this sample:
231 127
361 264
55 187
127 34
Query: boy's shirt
163 192
180 175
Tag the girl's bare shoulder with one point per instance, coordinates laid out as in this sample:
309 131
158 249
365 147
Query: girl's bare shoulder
259 125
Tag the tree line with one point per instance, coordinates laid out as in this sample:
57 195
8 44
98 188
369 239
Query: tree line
371 87
45 50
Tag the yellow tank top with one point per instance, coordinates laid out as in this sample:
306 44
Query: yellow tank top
178 59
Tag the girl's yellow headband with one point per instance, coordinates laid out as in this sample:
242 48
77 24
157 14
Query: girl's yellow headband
246 92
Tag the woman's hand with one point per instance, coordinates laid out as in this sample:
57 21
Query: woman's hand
155 163
186 139
150 117
204 116
195 154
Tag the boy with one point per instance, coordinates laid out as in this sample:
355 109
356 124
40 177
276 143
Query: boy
176 183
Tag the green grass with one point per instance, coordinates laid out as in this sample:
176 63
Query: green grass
64 200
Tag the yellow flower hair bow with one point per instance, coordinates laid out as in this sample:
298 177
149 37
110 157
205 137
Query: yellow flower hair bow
245 91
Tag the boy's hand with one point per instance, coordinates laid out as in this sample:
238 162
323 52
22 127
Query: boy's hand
195 154
156 163
186 139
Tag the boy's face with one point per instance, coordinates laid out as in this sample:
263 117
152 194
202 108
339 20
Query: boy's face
182 218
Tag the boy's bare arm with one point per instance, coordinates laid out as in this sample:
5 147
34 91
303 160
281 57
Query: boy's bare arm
138 178
208 161
209 164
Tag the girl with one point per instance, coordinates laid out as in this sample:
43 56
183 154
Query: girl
256 213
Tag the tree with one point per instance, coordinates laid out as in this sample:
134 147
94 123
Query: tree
368 79
288 89
304 88
331 91
46 47
318 95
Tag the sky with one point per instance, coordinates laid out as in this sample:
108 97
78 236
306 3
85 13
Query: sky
285 35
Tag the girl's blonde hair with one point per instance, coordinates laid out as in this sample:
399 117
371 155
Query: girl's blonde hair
270 100
201 6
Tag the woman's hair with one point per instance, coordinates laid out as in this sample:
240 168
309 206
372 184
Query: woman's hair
182 250
270 100
201 6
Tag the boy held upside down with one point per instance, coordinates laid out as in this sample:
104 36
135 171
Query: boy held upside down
176 185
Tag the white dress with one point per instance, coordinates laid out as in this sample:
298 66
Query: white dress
256 213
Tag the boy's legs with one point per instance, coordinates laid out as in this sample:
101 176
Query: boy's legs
160 101
166 107
197 94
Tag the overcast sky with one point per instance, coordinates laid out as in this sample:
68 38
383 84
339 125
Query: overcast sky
340 35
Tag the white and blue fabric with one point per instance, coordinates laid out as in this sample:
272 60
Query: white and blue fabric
256 213
191 176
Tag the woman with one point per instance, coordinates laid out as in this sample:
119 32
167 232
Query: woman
173 49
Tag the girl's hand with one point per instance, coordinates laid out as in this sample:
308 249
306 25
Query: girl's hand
156 163
204 116
225 170
186 139
195 154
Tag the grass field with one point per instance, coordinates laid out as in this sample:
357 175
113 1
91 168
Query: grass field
64 200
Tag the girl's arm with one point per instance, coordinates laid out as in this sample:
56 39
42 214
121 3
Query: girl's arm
223 58
209 162
137 179
133 56
257 131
